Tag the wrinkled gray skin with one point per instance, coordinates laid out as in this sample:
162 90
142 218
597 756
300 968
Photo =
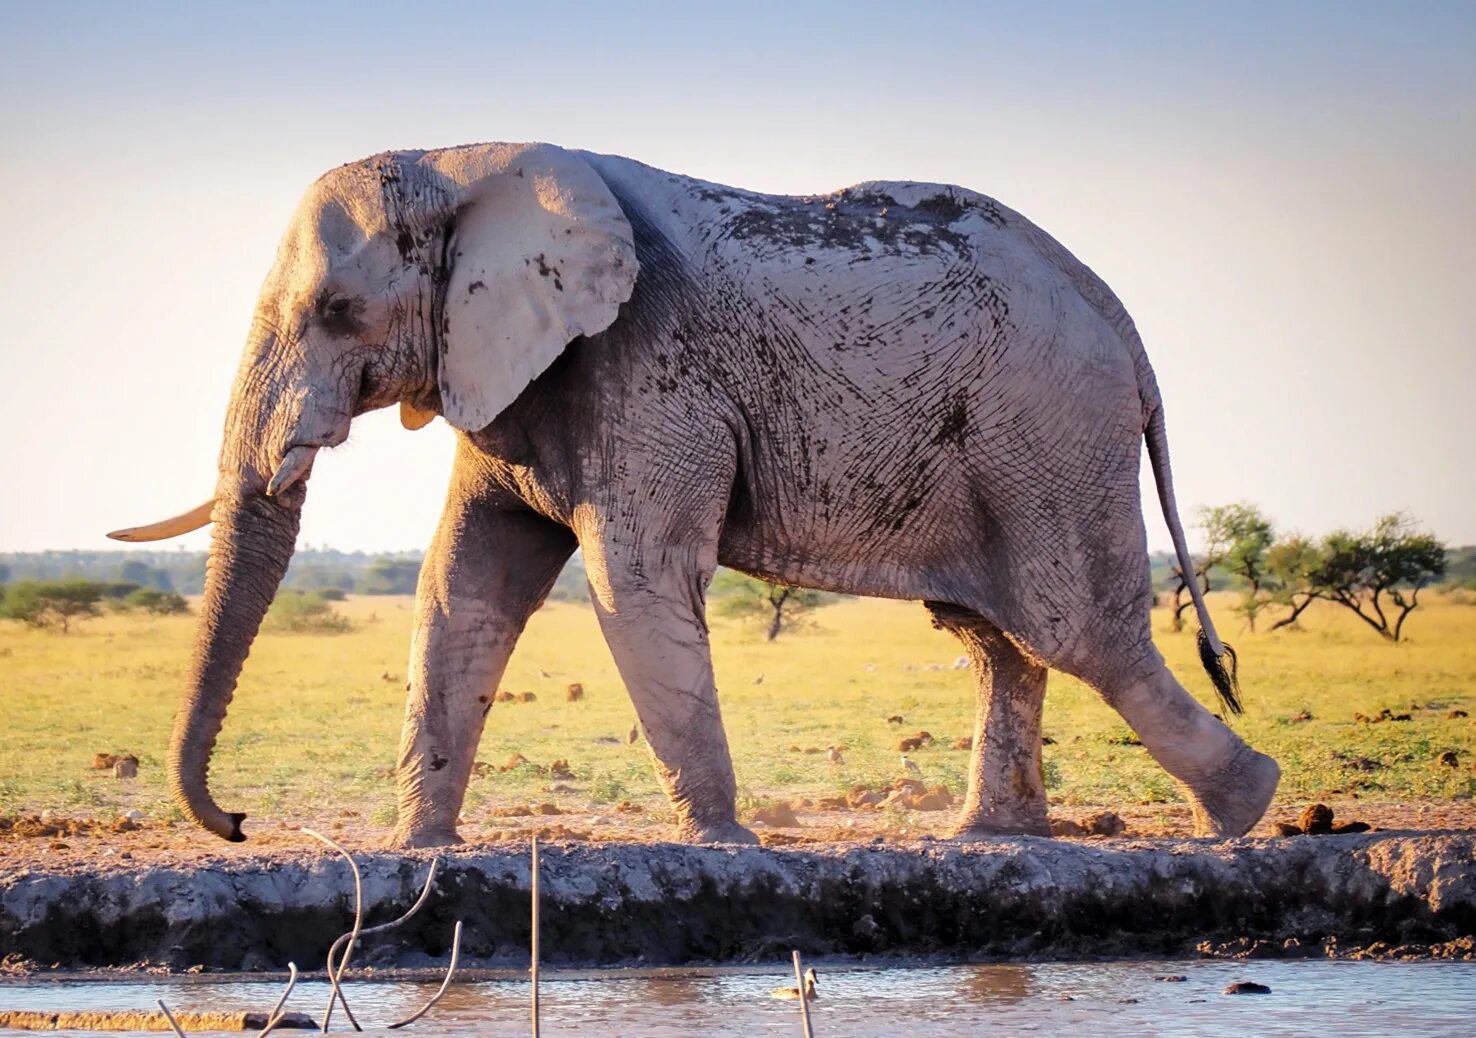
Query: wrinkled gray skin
900 390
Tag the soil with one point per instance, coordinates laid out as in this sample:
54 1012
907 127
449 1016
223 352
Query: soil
842 883
68 844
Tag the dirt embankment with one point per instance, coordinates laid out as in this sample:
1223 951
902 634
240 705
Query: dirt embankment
657 904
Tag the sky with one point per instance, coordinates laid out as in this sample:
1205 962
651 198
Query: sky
1282 194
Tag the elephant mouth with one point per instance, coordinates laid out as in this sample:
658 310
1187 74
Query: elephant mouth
295 466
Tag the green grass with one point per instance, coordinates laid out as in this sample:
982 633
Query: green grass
316 721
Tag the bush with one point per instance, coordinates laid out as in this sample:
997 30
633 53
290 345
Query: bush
52 603
159 603
302 612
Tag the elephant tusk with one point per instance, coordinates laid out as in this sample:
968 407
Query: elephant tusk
183 523
412 417
296 464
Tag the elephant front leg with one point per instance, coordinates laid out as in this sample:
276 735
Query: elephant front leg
1006 792
650 607
484 576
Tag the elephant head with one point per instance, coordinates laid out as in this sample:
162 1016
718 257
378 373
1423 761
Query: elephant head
445 281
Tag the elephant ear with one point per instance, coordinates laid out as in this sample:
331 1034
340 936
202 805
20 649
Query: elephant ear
539 254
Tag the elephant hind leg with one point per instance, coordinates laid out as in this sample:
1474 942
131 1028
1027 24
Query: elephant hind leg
1228 783
1006 793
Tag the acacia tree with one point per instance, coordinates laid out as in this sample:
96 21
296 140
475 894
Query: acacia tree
1392 561
1239 537
779 607
1291 564
52 603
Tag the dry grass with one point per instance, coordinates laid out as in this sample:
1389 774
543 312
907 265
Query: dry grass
316 720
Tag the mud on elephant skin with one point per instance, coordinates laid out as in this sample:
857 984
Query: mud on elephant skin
901 389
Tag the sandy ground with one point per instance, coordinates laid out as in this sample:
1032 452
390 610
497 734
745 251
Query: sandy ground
74 844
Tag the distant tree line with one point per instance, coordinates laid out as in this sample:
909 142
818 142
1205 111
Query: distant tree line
312 569
1377 574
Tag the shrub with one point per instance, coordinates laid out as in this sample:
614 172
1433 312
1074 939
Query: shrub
305 613
159 603
52 604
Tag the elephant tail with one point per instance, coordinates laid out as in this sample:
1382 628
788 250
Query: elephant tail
1218 658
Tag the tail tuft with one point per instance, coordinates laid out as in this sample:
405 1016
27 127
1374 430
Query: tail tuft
1226 681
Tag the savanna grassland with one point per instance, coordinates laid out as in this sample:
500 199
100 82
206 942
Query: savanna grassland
313 731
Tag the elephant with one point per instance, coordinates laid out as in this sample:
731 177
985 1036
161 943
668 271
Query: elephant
900 389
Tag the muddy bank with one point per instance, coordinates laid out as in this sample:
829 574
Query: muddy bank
656 904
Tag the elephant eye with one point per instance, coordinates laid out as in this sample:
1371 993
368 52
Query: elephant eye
338 314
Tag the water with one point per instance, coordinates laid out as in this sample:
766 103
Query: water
1308 997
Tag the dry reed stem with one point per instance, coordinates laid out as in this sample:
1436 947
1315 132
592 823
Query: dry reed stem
445 983
430 878
804 1001
533 968
353 936
276 1016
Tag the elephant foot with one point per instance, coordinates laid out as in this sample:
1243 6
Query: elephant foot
413 839
717 832
1237 796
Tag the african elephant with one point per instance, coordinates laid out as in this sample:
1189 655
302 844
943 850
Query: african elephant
900 389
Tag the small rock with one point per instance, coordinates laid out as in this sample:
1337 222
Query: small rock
935 799
527 697
505 697
549 809
1066 827
1104 823
1247 987
780 815
865 926
1318 818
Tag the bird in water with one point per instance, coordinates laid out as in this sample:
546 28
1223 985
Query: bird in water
835 755
911 768
793 993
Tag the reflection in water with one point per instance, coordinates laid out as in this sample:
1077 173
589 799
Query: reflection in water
999 985
1316 996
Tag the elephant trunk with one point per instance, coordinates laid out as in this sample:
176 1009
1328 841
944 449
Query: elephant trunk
256 517
250 548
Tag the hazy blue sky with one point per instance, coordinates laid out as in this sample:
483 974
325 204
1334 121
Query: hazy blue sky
1284 195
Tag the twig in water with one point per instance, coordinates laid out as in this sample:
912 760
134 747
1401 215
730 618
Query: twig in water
430 878
170 1017
799 980
533 969
446 983
353 936
276 1015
